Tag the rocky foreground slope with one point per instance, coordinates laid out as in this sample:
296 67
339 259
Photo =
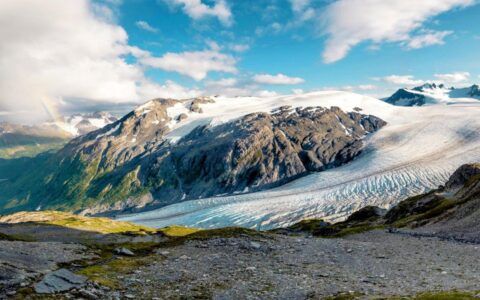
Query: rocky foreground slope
373 255
134 162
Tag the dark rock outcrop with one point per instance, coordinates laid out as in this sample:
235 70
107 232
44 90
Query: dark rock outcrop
262 149
404 97
462 175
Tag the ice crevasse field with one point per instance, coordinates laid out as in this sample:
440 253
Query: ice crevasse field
416 152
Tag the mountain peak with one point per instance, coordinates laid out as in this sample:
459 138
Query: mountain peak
433 93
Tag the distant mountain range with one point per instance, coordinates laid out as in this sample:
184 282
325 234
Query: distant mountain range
431 93
17 140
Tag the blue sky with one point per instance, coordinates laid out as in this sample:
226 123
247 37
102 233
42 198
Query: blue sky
60 56
295 50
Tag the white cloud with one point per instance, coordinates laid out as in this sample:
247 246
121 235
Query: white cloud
195 64
452 78
299 5
197 10
428 39
401 80
145 26
225 82
279 79
56 51
302 10
239 47
298 91
350 22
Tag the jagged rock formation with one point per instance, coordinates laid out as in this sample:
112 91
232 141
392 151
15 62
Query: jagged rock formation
132 163
261 149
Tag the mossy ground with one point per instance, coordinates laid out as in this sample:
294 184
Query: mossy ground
111 273
436 295
68 220
441 295
178 231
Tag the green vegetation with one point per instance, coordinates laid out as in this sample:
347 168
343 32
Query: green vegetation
178 231
363 220
440 295
17 151
452 295
411 213
344 296
6 237
101 225
109 273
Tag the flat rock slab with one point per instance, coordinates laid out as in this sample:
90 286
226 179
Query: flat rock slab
20 262
59 281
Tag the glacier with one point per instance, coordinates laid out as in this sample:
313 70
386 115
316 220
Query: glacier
416 152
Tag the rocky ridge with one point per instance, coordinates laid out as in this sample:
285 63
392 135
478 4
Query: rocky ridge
132 163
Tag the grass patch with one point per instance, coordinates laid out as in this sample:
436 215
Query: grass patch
344 296
356 230
226 232
6 237
439 207
441 295
452 295
178 231
107 274
68 220
308 225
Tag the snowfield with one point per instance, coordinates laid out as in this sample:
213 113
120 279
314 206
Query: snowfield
417 151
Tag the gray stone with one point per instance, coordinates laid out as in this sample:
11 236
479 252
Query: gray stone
255 245
123 251
59 281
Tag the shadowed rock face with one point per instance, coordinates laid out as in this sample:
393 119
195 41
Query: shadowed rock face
462 175
130 164
261 149
406 98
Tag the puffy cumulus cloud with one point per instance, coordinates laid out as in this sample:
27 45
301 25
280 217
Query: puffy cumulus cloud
194 64
197 10
145 26
453 78
401 80
350 22
55 52
278 79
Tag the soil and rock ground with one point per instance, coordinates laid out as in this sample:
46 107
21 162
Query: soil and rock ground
427 247
241 264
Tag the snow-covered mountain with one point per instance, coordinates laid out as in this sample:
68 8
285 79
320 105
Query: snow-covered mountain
432 93
417 151
80 124
18 140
